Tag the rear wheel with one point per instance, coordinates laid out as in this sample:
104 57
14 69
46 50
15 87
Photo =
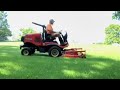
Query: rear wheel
26 51
55 51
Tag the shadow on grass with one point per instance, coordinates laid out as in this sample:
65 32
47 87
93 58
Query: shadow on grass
41 54
14 65
93 68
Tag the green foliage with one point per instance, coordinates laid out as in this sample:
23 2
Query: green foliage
112 34
4 27
26 31
116 15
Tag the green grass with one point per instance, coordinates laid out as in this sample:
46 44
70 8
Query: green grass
102 62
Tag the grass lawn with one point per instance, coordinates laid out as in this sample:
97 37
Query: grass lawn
102 62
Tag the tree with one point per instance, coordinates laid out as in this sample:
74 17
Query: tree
26 31
4 27
112 34
116 15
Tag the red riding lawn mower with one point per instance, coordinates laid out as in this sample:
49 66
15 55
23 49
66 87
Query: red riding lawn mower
44 43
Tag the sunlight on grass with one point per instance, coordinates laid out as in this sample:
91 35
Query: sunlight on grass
66 58
14 47
75 74
100 65
11 65
103 61
6 67
71 73
4 71
93 74
3 54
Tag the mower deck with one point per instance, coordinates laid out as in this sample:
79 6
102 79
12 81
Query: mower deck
74 53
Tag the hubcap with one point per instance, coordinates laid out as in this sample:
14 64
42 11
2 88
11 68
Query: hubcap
26 52
54 52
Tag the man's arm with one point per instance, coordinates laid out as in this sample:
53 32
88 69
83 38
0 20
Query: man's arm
49 28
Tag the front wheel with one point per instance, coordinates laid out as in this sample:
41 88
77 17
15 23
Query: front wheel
26 52
55 51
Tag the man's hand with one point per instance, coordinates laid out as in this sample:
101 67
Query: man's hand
60 31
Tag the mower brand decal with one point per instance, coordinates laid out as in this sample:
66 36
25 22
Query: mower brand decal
28 38
37 40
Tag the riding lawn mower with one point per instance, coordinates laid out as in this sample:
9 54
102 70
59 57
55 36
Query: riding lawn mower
45 44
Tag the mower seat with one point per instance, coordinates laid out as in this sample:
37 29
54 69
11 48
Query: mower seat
47 37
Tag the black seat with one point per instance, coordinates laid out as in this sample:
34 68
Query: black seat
47 37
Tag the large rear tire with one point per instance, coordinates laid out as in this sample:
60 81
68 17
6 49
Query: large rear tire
54 51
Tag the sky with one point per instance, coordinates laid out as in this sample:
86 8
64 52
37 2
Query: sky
81 26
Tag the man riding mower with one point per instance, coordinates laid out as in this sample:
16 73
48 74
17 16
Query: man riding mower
45 42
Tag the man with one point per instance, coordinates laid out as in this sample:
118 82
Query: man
50 31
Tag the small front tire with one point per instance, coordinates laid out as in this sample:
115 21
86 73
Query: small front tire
26 52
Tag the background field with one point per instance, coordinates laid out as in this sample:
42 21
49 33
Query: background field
102 62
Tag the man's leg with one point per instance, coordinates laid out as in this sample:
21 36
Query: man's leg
64 37
55 34
59 37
